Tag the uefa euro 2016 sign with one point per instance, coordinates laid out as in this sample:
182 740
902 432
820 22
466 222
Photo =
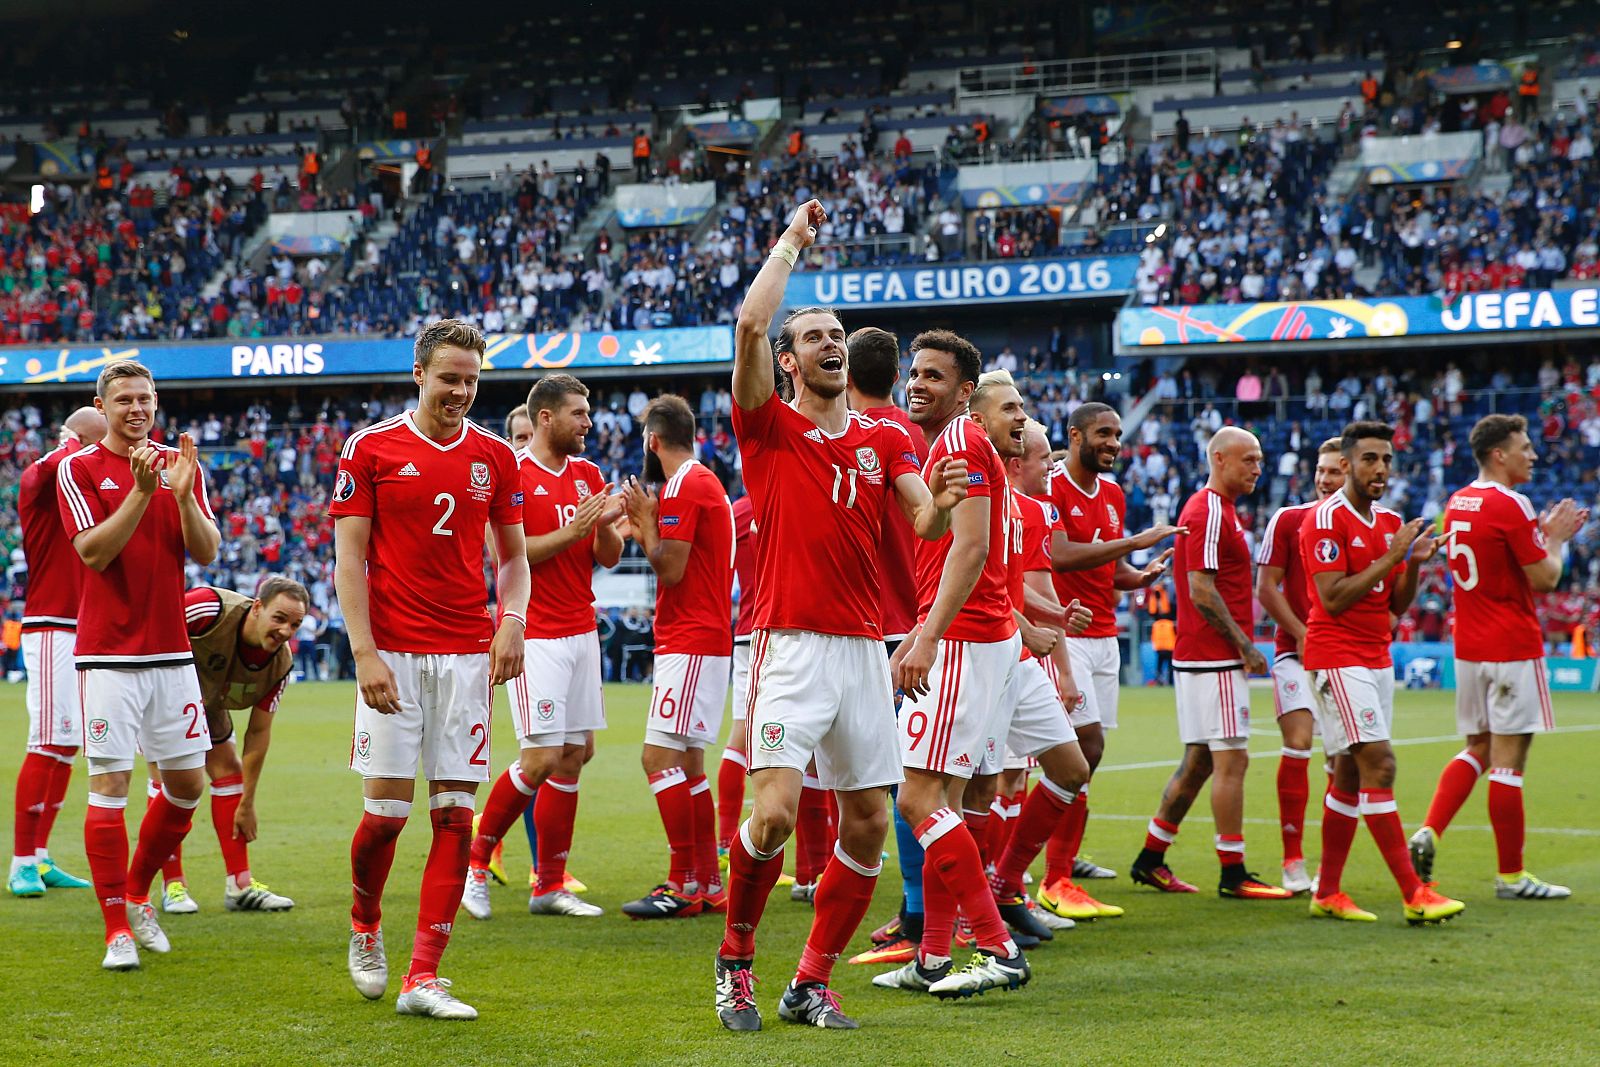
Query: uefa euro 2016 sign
1507 312
1007 281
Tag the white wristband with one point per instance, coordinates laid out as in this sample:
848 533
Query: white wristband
504 615
785 251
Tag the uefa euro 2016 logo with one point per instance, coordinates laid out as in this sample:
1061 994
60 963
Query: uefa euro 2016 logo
1327 550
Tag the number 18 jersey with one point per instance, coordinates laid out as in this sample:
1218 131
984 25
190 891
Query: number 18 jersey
429 502
563 585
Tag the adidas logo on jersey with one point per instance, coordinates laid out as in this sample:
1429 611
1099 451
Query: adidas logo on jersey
410 471
1077 512
961 761
540 490
109 484
1356 542
814 435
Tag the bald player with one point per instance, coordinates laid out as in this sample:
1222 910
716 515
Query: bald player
1213 656
49 621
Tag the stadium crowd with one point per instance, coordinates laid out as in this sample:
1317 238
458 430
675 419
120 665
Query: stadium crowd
271 465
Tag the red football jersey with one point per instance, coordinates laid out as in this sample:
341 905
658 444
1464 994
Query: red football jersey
1280 547
744 564
1215 542
130 615
55 572
899 542
429 502
819 502
1030 523
986 616
1335 539
563 599
692 616
1088 518
1493 532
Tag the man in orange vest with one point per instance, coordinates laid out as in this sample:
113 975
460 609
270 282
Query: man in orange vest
1369 90
641 156
797 142
424 159
1163 630
1528 93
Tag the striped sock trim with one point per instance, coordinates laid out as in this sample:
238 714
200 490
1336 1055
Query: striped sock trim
1343 807
699 785
750 845
1465 756
452 799
1377 802
1297 753
844 857
664 780
189 804
936 826
1506 776
566 785
1066 796
387 809
1157 831
518 782
733 755
100 800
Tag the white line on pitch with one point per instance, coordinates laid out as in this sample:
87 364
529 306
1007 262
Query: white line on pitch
1150 765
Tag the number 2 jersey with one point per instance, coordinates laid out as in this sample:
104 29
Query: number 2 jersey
819 503
429 502
1493 532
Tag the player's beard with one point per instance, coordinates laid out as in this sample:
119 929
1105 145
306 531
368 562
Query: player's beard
1089 457
654 474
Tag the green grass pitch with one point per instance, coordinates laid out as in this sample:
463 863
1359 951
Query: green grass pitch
1179 979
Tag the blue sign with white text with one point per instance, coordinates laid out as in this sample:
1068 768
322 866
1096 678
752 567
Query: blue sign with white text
1007 281
251 359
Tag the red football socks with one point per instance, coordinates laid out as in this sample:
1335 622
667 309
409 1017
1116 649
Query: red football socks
1294 791
671 789
751 877
952 857
505 805
1455 786
553 815
977 824
1230 850
1341 816
33 791
842 898
166 823
105 842
730 795
811 834
1159 835
1506 816
60 776
226 795
1383 821
1045 809
704 873
443 879
371 856
1062 850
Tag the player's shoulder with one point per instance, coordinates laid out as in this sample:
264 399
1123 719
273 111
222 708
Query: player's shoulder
368 436
488 441
686 481
1387 516
1506 499
1325 514
1033 507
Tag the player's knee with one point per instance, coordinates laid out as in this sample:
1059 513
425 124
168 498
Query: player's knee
770 826
537 764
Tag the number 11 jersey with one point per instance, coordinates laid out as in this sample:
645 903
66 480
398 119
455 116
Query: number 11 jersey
819 502
429 502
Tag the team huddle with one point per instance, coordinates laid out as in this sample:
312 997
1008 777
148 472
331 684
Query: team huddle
925 615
